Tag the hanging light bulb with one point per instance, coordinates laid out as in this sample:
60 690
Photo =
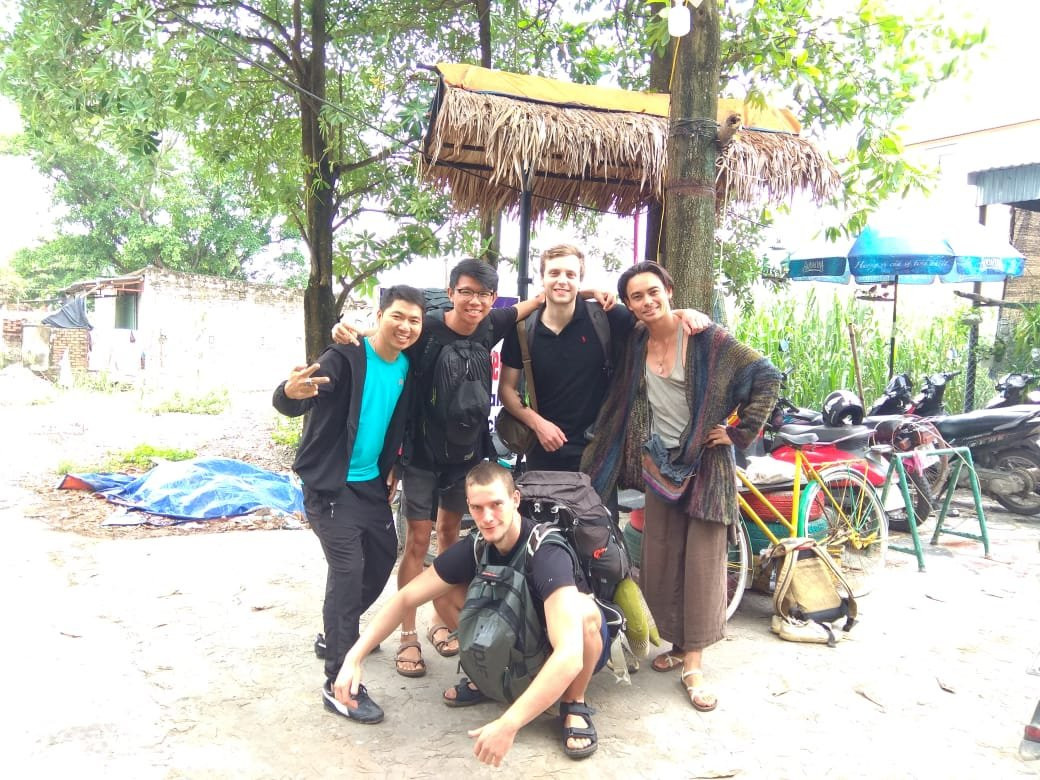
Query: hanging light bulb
679 19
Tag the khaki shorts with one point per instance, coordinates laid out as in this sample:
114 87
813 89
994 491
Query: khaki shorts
420 488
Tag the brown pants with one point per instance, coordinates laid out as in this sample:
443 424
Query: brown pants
683 575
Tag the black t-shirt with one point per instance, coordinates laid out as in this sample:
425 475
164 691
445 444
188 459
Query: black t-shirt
549 569
570 377
435 335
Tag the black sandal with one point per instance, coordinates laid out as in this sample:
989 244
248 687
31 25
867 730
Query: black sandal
464 695
582 710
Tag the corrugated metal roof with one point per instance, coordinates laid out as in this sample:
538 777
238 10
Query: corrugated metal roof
1009 184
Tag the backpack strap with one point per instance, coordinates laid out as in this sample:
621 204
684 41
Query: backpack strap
784 574
850 599
482 335
434 345
529 325
549 533
481 548
601 325
525 354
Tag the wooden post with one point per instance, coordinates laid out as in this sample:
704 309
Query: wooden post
855 361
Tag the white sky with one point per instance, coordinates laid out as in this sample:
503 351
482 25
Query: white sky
995 92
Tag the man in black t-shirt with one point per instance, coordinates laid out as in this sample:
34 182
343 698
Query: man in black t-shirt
569 361
572 620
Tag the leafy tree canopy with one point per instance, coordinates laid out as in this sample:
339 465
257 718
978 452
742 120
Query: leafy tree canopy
313 108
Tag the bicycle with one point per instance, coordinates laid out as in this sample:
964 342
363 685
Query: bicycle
834 503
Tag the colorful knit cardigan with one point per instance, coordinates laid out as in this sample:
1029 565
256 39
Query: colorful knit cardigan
722 376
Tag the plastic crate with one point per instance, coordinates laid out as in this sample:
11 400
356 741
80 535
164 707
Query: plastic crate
782 500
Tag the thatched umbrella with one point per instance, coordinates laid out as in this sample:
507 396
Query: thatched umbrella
528 144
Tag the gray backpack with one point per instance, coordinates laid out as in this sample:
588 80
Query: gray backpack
502 641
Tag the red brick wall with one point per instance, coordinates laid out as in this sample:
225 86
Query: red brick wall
13 334
73 341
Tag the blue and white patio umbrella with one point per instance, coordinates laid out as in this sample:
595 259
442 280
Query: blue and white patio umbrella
967 253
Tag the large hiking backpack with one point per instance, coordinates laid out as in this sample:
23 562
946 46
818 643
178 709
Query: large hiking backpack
454 414
502 641
567 500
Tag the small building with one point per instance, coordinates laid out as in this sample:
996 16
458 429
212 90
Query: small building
188 332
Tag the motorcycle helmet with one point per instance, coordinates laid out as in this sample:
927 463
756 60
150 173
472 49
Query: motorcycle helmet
842 407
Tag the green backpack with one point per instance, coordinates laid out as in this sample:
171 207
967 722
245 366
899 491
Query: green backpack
502 641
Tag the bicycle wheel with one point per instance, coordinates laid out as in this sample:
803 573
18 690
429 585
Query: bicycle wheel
738 566
857 528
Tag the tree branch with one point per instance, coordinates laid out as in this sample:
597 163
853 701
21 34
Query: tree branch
365 273
342 169
180 11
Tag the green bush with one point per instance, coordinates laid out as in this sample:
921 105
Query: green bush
1014 351
213 402
287 431
819 354
139 458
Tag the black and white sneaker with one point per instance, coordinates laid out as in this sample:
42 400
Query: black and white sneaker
366 712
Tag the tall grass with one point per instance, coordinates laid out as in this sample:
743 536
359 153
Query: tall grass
819 353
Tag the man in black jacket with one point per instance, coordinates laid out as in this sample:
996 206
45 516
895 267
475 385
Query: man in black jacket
358 397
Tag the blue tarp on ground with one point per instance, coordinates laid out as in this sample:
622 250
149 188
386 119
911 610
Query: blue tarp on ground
197 489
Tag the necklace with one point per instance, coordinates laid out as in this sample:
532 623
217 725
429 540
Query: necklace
662 355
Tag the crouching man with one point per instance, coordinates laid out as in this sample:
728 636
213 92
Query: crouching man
571 620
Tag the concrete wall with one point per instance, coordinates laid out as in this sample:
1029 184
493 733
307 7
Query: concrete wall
202 332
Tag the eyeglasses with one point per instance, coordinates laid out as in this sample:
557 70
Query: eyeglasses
468 294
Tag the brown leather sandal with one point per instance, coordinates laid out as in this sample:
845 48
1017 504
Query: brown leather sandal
440 644
409 667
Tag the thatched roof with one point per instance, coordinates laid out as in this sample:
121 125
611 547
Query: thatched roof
488 127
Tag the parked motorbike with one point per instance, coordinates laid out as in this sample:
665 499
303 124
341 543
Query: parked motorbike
1013 390
929 402
1004 447
898 398
894 399
786 412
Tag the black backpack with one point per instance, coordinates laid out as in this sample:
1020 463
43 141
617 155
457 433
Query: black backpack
502 640
567 500
454 411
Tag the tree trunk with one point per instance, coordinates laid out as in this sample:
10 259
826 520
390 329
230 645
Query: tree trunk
660 72
689 222
319 305
491 236
490 222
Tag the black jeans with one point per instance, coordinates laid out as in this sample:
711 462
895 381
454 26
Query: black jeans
356 529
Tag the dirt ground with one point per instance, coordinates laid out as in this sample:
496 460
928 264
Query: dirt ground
186 653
